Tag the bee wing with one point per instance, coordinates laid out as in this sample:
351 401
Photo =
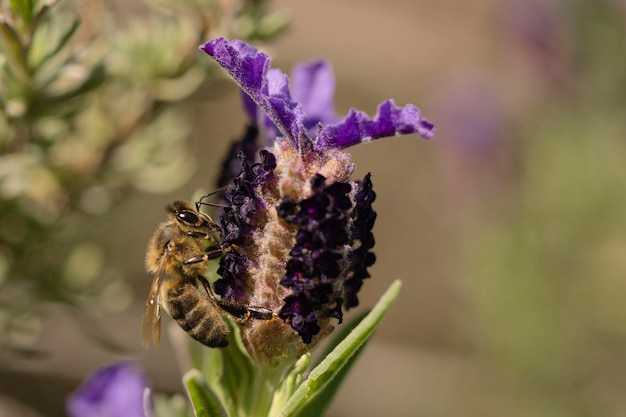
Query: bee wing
151 320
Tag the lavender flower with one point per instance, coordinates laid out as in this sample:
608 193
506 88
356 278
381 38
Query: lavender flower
298 230
114 391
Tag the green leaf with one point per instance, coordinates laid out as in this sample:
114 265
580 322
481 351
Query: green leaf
290 383
238 369
332 365
318 404
204 401
23 9
61 42
91 81
341 333
13 49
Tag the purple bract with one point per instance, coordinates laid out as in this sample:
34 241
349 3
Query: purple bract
269 89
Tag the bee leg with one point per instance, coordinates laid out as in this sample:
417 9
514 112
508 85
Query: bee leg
240 313
260 313
213 254
197 235
207 236
207 287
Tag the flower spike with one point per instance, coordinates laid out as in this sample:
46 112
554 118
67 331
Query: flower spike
298 230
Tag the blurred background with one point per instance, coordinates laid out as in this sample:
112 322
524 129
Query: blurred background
508 229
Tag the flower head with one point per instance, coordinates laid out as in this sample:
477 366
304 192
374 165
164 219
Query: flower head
298 230
114 391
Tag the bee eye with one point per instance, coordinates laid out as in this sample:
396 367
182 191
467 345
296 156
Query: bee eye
188 217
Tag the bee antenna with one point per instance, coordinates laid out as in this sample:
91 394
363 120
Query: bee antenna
200 203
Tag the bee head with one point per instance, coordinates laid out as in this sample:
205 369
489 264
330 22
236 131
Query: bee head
186 215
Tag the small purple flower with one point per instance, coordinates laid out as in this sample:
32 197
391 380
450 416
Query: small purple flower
114 391
298 230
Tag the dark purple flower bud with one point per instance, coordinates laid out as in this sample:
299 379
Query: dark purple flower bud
298 230
361 257
114 391
317 266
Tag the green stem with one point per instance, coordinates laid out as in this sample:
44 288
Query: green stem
265 384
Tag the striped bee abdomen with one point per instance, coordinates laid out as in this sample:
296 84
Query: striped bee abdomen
197 315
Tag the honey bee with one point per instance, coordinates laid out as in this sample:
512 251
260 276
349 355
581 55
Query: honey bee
177 256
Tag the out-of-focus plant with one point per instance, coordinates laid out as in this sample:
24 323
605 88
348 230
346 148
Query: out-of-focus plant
88 114
545 271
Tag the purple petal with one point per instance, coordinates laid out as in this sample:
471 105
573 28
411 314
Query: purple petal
313 86
250 107
267 88
114 391
390 120
268 130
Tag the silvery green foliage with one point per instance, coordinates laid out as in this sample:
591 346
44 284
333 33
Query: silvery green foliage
91 110
229 383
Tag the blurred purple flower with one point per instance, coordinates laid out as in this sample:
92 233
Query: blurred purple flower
113 391
298 230
474 115
476 155
540 38
534 21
